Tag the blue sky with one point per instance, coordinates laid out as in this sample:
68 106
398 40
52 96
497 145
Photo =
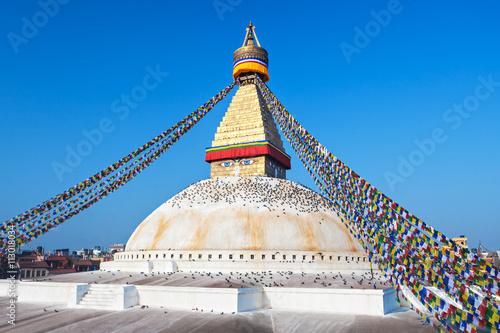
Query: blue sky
405 93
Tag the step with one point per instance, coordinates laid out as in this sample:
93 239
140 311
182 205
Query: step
96 302
107 297
102 292
104 296
96 307
100 297
92 298
104 286
97 298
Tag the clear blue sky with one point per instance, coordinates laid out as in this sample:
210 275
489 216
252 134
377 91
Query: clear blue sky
405 73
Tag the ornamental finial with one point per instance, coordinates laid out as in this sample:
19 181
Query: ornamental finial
251 58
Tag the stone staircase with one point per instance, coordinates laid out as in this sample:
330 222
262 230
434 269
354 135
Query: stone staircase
103 296
100 296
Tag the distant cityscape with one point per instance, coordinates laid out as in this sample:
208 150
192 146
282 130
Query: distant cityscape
37 263
489 256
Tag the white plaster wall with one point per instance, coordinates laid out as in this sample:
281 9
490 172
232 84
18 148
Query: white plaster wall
250 299
128 297
127 266
216 299
164 266
390 302
368 302
76 294
45 292
5 285
186 260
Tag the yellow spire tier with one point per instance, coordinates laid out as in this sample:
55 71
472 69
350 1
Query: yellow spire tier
247 142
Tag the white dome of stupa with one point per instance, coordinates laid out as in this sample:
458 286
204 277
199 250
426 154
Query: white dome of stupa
244 213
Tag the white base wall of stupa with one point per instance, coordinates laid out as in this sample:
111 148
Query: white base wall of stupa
137 266
374 302
217 299
237 261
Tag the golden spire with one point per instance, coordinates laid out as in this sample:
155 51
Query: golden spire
249 37
251 58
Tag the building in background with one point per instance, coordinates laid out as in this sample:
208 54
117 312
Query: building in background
33 269
116 248
462 241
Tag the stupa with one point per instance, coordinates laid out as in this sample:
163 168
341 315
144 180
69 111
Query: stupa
245 239
247 216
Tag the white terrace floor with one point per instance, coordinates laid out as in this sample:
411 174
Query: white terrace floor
50 317
228 280
42 318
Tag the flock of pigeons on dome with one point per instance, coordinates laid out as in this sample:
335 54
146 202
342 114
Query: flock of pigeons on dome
276 195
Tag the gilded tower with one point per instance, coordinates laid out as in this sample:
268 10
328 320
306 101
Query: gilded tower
247 142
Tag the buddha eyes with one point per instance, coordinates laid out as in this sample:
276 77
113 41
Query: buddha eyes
228 164
247 162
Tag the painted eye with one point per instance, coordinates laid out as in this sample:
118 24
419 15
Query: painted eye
226 164
247 162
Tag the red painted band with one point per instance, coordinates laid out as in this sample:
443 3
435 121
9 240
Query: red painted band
249 152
